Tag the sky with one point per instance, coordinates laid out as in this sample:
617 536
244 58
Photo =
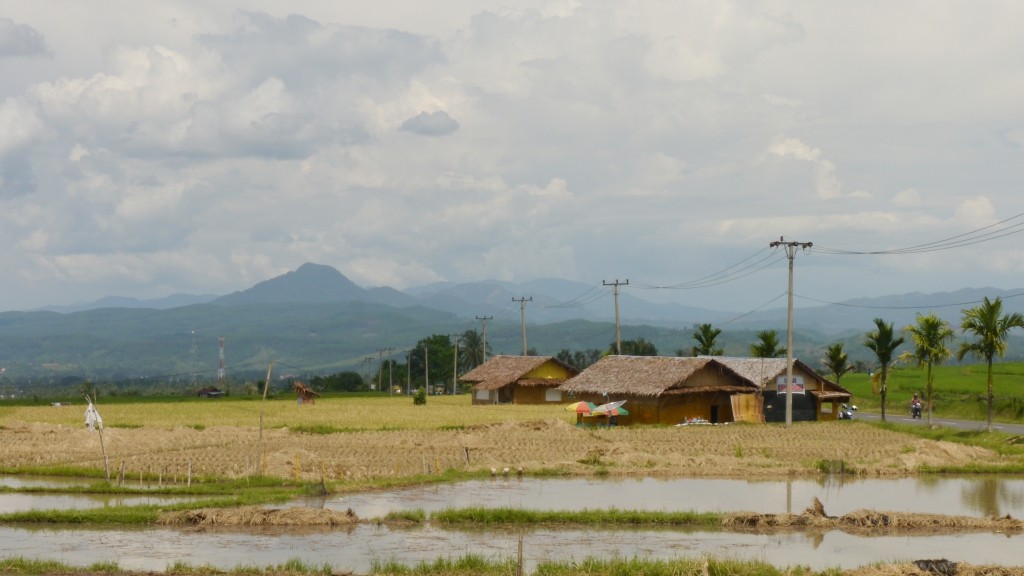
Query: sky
155 147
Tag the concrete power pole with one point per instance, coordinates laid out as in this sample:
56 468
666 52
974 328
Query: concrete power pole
791 248
483 320
615 290
522 314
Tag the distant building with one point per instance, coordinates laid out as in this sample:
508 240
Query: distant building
518 380
209 392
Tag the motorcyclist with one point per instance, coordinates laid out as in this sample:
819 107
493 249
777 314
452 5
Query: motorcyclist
915 406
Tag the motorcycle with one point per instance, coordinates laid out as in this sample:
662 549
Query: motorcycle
915 410
846 411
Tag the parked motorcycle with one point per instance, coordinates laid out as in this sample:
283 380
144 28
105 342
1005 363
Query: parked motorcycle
846 411
915 410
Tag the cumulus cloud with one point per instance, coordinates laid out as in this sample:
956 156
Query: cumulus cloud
21 40
222 157
437 123
827 184
908 198
976 212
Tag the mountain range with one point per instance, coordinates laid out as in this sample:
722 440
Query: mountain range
317 320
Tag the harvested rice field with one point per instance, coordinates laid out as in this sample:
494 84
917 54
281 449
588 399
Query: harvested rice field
367 438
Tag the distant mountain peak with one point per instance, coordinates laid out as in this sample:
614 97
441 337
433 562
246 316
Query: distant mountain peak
309 283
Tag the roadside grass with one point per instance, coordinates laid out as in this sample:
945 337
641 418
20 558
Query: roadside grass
1009 445
960 391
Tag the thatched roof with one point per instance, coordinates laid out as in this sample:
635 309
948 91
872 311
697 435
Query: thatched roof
764 371
647 376
500 371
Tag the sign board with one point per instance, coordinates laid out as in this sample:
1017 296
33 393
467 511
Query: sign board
797 386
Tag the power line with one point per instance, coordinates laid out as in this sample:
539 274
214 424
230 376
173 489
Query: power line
866 307
749 265
972 237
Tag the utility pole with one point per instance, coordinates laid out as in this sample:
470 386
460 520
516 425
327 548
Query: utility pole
426 368
522 314
791 248
615 290
455 365
380 365
484 320
366 368
408 373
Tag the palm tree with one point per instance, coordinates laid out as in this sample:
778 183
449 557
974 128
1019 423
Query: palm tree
705 337
471 350
991 326
836 361
767 345
883 342
929 335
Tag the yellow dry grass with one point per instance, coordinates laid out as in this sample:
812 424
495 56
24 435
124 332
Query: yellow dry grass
259 516
383 437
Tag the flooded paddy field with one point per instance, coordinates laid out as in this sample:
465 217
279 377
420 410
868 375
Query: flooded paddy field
359 546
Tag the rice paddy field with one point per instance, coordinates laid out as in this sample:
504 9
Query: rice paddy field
341 440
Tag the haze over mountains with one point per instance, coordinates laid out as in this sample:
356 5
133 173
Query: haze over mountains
315 319
556 300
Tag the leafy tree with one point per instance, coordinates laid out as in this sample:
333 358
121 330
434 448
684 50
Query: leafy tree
883 342
929 335
579 359
836 361
436 353
988 323
638 347
705 338
767 345
347 381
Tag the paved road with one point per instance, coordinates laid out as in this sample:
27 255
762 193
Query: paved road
900 417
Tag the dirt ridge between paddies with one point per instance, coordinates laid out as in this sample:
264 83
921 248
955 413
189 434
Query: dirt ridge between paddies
871 521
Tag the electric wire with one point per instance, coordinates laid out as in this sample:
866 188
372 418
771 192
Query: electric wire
864 306
969 238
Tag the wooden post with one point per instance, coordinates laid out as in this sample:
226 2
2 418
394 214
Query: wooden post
189 483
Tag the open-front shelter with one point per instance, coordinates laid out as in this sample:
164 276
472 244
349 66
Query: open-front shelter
819 401
518 380
667 390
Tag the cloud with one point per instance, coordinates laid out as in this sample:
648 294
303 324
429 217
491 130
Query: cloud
908 198
827 184
976 212
433 124
21 40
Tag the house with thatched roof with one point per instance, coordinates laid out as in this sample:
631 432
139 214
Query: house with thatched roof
518 380
667 390
819 400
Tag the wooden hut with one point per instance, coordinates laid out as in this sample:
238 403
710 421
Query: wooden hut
518 380
819 401
662 389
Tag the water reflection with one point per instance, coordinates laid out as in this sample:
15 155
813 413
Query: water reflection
961 496
359 547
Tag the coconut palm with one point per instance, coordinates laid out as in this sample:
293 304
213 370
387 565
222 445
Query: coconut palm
883 342
767 345
836 361
705 338
471 350
988 323
929 335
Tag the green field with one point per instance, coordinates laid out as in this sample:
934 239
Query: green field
958 391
